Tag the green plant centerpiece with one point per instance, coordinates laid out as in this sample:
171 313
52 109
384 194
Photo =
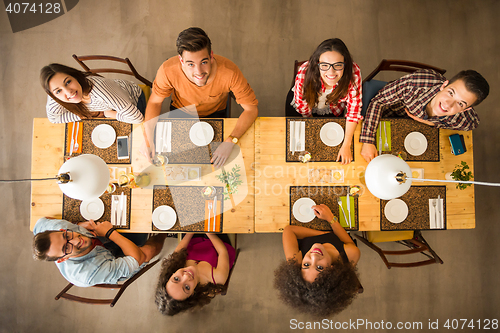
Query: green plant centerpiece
462 172
232 179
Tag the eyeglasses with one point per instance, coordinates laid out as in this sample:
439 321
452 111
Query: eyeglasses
68 247
324 66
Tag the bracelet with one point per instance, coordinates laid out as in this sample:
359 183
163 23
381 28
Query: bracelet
110 231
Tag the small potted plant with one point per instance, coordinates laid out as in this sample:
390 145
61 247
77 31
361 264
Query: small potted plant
461 172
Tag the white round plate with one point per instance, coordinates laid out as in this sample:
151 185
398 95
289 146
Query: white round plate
201 133
416 143
103 136
92 209
164 217
302 210
331 134
396 210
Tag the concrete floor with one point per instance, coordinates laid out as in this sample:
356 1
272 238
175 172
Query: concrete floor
263 38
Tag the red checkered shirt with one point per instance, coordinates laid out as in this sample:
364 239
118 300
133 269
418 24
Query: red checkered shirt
351 102
412 92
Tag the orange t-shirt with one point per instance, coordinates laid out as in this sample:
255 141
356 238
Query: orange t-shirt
171 80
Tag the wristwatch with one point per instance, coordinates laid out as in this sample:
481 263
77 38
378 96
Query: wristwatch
234 139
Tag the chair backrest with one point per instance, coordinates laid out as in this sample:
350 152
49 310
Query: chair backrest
296 67
111 301
132 71
372 87
417 244
401 66
235 245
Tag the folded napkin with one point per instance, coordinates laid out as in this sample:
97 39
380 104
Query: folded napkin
217 218
163 137
75 137
436 214
385 127
298 135
342 220
120 207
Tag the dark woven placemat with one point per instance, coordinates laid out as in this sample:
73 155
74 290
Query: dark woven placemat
71 207
400 128
189 204
321 195
417 199
319 151
183 150
109 155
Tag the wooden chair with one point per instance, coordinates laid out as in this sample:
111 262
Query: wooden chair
371 87
132 71
235 244
112 301
296 67
411 239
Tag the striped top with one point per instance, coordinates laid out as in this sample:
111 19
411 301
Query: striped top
106 94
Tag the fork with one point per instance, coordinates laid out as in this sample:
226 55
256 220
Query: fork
342 208
386 144
209 210
76 137
116 201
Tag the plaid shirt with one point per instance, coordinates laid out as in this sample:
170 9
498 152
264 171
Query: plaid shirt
412 92
351 102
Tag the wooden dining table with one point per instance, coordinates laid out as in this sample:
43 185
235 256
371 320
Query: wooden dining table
276 178
48 155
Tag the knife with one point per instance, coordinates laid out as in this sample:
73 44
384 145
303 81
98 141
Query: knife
349 209
292 136
122 200
215 209
169 137
439 212
297 134
71 145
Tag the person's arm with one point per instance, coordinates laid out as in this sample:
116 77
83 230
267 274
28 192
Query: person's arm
290 244
353 115
221 272
183 244
344 154
116 96
420 120
57 114
246 119
127 246
323 212
153 110
298 98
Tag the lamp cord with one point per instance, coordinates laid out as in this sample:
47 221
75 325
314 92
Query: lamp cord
23 180
455 181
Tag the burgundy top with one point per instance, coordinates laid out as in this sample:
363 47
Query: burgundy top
202 249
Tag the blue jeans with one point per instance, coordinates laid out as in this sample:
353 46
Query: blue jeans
141 103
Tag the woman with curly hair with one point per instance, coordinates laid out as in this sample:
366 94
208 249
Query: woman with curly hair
74 95
194 273
319 273
327 85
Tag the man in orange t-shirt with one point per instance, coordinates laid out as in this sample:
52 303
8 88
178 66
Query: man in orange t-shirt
198 77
